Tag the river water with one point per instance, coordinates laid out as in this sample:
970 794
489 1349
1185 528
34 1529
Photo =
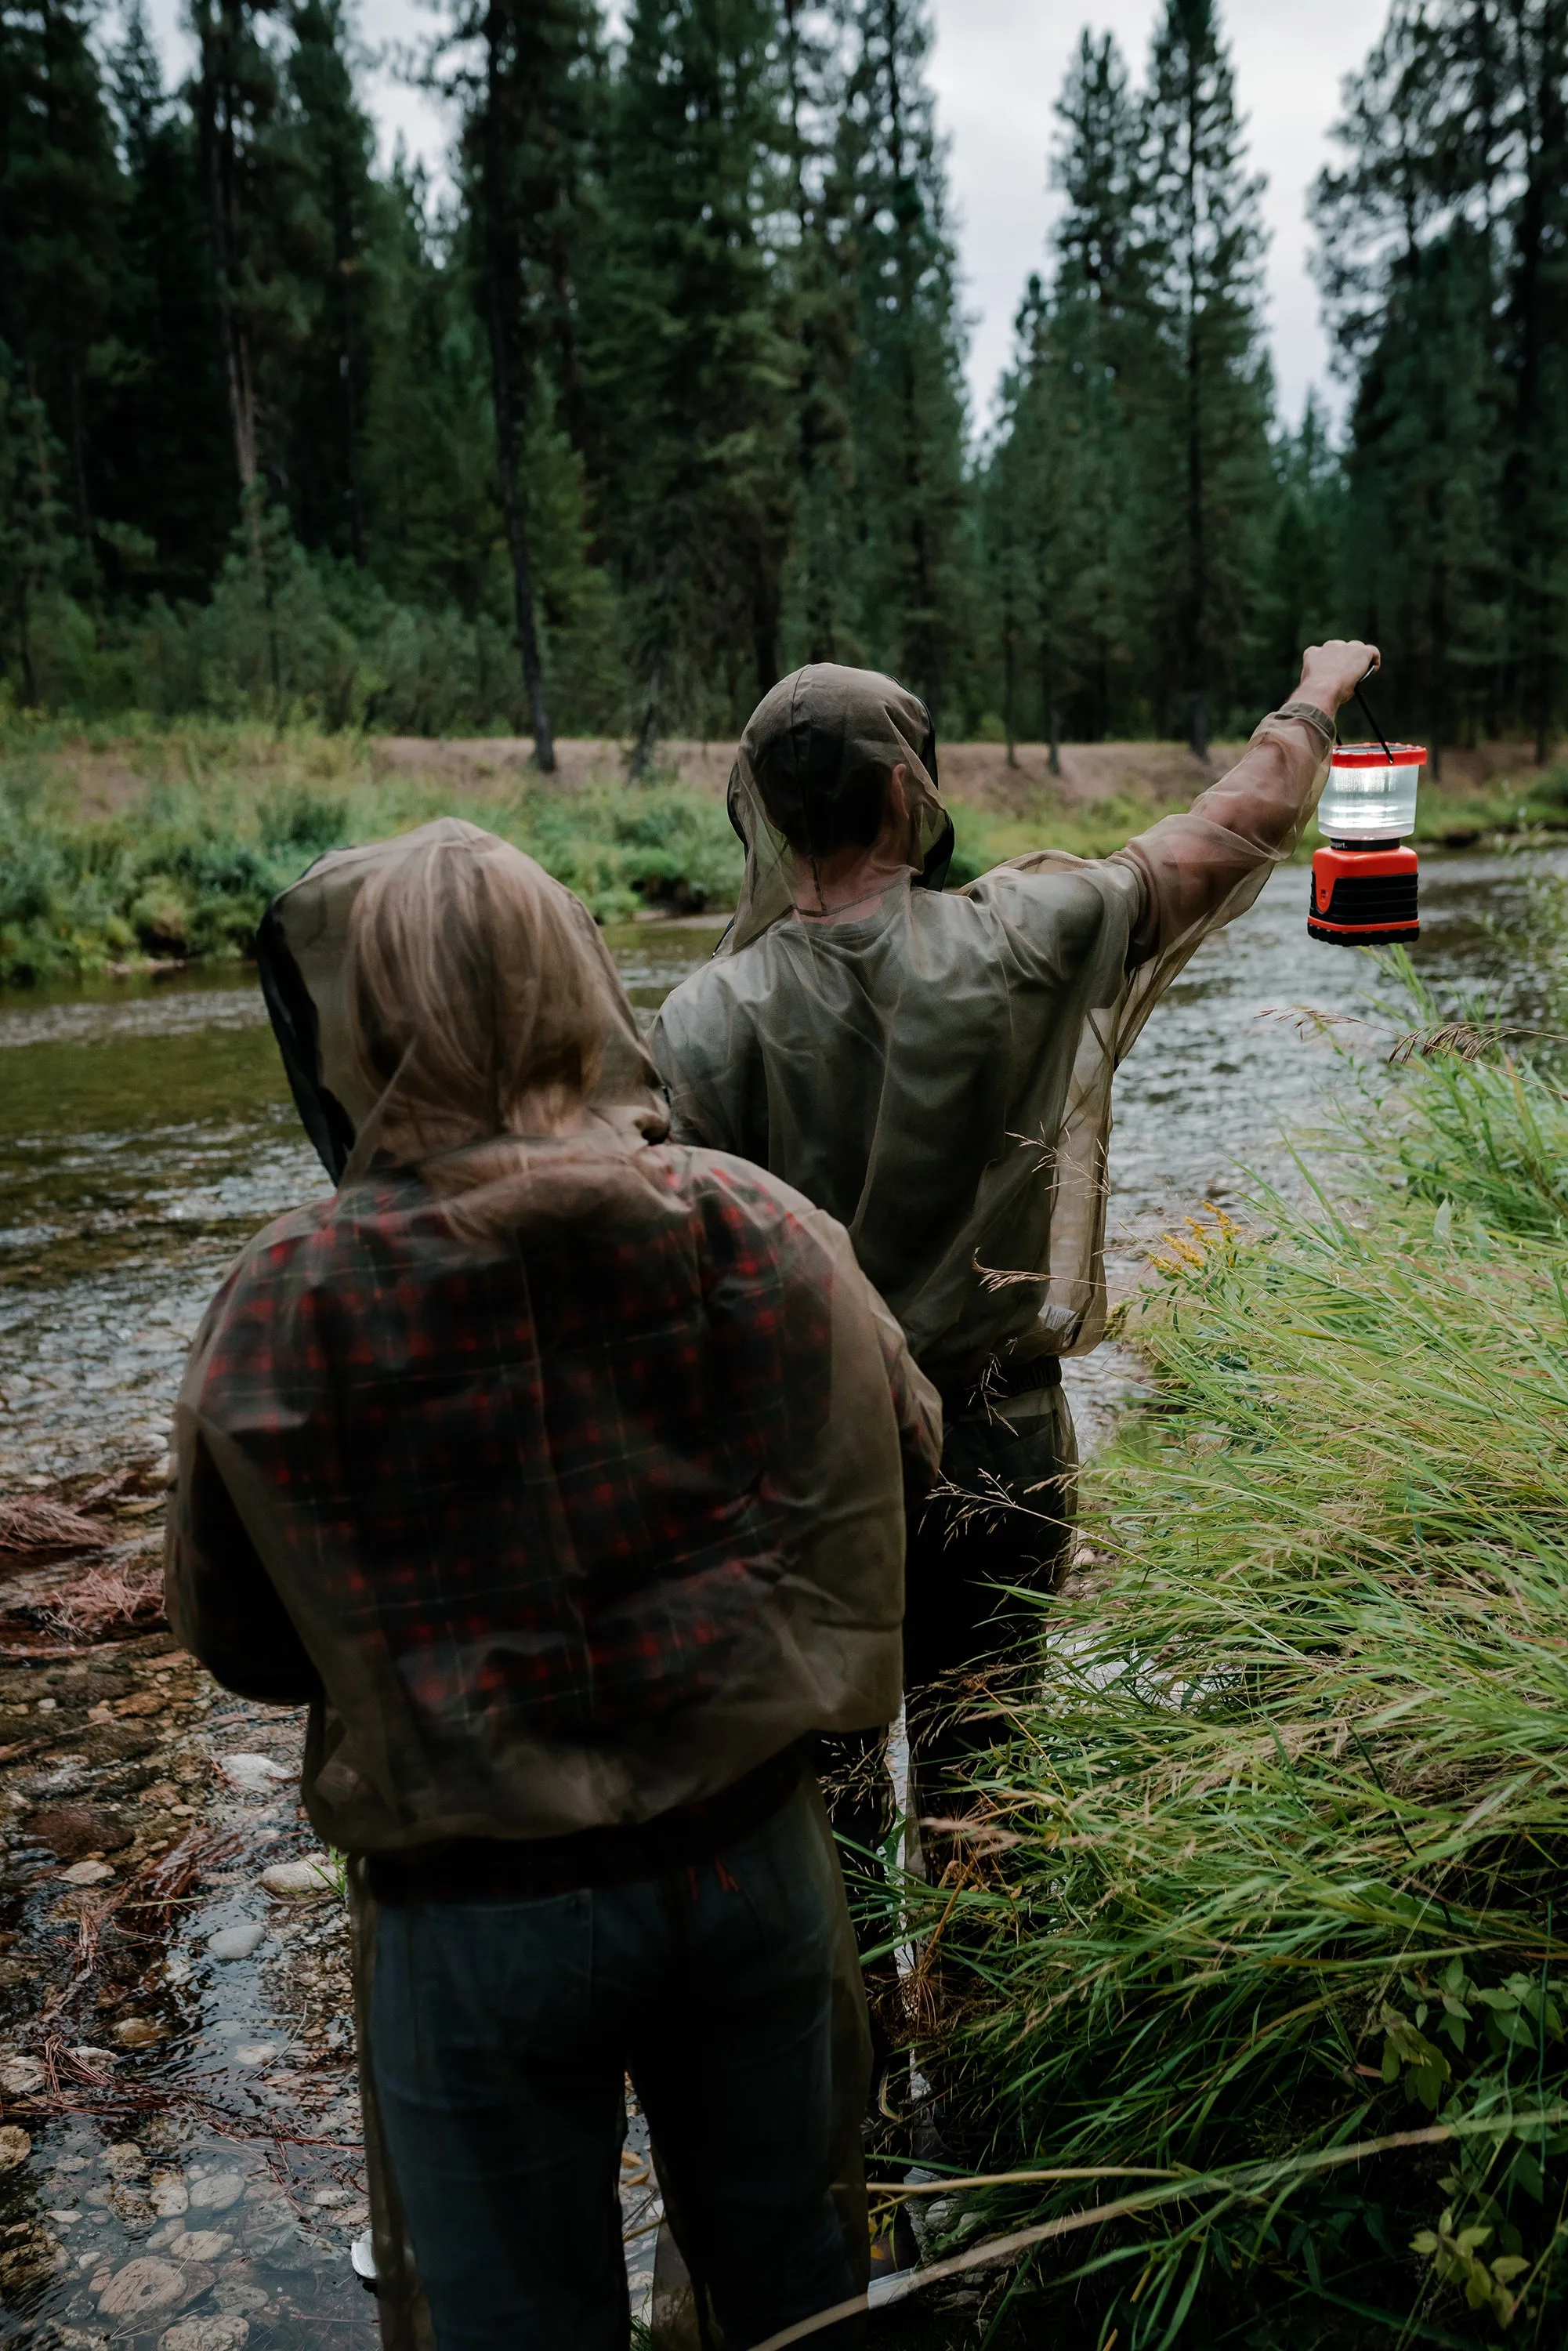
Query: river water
208 2198
146 1131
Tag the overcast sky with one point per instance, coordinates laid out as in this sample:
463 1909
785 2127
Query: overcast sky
997 69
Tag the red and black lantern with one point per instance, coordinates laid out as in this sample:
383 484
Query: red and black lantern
1364 882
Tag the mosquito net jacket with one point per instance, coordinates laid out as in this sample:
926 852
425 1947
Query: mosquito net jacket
935 1069
562 1467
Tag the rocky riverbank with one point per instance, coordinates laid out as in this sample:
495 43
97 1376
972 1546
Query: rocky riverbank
181 2146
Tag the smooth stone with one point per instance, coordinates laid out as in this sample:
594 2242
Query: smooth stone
87 1873
15 2146
236 1943
254 1776
233 2295
220 2331
20 2077
138 2032
300 1881
169 2196
217 2192
95 2060
145 2283
199 2245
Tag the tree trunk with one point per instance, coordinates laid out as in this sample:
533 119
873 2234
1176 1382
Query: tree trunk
1009 685
25 642
503 393
78 469
1048 705
642 760
764 617
217 141
1197 550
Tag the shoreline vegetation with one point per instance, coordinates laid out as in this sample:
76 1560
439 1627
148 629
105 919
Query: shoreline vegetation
129 845
1274 1853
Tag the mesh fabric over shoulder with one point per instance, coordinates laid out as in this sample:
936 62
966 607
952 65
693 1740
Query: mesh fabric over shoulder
935 1069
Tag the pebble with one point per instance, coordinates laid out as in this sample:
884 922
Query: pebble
256 2053
254 1776
199 2245
138 2032
300 1881
87 1873
217 2192
233 2294
130 2209
15 2146
169 2196
145 2283
236 1943
95 2060
217 2332
20 2077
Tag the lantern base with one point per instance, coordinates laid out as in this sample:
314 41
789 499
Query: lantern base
1365 897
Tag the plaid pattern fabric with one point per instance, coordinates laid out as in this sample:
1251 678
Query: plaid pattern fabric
529 1479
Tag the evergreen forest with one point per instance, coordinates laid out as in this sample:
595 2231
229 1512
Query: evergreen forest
660 392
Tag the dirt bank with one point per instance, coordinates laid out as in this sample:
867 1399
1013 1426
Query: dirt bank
108 775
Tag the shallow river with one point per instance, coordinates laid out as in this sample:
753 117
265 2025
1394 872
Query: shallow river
193 2180
145 1130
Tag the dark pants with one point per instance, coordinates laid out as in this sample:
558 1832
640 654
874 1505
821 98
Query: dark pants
500 2034
1008 1525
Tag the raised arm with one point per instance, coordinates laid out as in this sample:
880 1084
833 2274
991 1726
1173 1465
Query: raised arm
1205 866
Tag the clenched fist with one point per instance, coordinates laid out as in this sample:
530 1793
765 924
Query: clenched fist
1331 672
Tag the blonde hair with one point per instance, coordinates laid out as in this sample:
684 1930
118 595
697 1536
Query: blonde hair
477 1000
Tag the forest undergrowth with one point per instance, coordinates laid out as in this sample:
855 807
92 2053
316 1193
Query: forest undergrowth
235 812
1269 1916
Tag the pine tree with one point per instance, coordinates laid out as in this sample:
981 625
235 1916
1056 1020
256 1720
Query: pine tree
35 543
1534 485
690 371
906 387
264 235
1103 351
433 518
1411 271
1204 424
162 445
60 195
330 374
815 260
528 73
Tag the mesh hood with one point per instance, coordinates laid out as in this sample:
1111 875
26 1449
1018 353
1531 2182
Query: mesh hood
548 1030
818 740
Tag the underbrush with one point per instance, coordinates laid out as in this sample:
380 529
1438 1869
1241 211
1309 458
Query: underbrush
1277 1862
187 871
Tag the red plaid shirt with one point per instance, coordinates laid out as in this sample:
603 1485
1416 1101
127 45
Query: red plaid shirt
524 1484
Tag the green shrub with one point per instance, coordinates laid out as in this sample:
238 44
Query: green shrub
189 872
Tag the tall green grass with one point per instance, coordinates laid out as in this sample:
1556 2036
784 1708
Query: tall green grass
1279 1839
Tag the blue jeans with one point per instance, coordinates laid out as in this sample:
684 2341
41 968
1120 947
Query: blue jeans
501 2030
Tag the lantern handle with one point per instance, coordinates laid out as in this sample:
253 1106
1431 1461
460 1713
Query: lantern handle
1366 712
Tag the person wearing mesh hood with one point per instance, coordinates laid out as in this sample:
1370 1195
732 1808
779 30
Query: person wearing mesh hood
561 1471
933 1068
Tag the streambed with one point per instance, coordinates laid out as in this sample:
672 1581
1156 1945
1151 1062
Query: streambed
194 2174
